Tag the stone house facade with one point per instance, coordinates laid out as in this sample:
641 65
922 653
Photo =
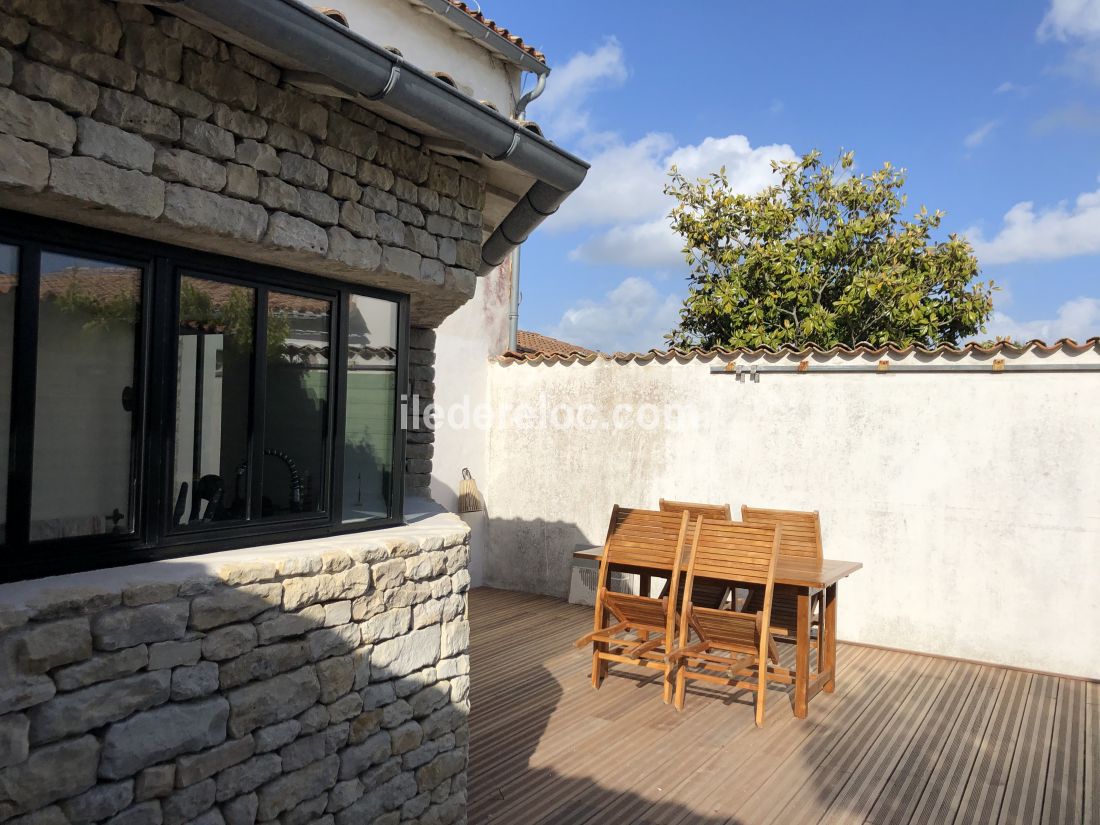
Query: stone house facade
221 677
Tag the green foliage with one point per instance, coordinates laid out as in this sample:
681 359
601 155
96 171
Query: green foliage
232 317
103 312
821 257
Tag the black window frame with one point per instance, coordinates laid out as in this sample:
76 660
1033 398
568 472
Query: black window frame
153 433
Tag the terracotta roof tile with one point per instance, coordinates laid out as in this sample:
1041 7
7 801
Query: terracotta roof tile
532 345
1041 347
496 29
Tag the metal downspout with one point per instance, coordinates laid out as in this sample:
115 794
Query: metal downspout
513 310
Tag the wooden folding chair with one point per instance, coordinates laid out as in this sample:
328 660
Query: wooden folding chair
801 538
729 645
650 540
708 593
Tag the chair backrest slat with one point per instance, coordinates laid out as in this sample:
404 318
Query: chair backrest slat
695 509
801 531
646 538
734 550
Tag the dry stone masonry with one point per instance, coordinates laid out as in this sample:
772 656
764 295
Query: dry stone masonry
329 688
121 116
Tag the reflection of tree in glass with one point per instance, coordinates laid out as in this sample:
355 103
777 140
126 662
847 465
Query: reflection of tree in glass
228 310
107 297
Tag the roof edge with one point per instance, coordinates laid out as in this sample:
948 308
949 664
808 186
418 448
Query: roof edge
1068 345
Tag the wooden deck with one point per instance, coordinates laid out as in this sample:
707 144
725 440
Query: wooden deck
905 739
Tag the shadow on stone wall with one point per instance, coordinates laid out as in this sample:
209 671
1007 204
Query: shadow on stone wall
327 688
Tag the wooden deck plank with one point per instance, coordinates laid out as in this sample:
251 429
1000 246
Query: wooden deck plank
905 738
1023 800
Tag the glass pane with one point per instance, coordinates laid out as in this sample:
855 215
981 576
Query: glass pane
368 424
296 408
9 278
89 315
213 392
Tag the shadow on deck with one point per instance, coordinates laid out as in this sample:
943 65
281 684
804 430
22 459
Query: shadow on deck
904 739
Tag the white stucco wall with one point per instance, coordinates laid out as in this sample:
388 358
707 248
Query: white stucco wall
431 44
972 500
465 343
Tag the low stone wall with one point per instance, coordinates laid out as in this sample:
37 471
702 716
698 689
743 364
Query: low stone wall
320 683
420 437
131 119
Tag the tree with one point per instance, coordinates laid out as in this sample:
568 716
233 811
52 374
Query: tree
821 257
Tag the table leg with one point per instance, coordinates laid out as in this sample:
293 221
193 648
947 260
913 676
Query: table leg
802 655
828 642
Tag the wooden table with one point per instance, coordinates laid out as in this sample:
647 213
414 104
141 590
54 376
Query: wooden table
808 577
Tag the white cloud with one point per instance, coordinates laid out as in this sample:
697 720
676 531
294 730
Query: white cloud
1075 117
1008 86
978 136
624 193
568 88
1078 319
1062 231
622 197
1071 18
632 317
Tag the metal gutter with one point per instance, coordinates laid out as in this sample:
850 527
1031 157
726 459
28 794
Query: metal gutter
309 38
495 40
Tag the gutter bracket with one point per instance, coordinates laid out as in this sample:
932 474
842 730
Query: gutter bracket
395 74
508 152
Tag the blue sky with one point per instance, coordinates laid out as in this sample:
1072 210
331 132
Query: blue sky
992 107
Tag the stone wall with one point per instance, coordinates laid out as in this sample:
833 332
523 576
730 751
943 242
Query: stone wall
129 118
420 438
317 683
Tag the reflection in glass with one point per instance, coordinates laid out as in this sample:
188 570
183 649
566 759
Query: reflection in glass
213 379
368 427
9 279
296 409
89 316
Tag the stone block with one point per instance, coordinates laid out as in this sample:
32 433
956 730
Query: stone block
14 739
344 794
229 642
194 682
456 639
290 624
135 114
333 641
197 767
302 752
247 776
13 30
356 759
36 782
150 592
155 782
145 813
111 144
360 220
240 123
379 201
357 253
345 188
242 810
272 700
441 768
219 80
241 182
253 65
175 96
302 171
207 139
318 207
278 194
351 137
345 708
44 646
297 234
190 36
188 803
94 182
162 733
293 788
275 736
127 627
42 82
390 229
283 137
182 166
36 121
307 590
338 160
173 654
400 261
99 803
26 165
398 657
264 663
149 49
81 710
192 208
19 692
292 110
